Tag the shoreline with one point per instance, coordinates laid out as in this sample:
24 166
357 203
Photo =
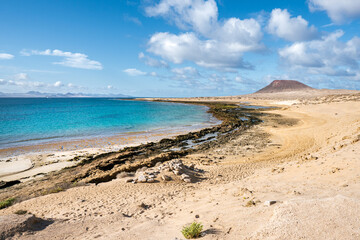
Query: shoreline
24 162
100 141
225 112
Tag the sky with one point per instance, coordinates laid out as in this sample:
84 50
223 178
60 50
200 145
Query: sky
177 48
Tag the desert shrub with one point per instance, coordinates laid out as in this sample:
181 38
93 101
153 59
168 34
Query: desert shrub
53 190
56 190
6 203
21 212
192 231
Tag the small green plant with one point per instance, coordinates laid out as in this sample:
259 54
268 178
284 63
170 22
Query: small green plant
21 212
56 190
192 231
6 203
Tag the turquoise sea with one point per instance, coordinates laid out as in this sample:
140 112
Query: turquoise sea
30 121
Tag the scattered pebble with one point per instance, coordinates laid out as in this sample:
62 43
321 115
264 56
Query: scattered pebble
269 202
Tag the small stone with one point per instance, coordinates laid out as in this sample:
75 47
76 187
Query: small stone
129 180
141 179
150 180
197 216
187 180
166 177
183 176
269 202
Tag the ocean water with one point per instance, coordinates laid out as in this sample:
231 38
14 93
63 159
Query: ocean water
30 121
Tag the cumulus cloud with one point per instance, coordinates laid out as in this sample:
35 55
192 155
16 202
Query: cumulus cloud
338 11
210 43
152 62
205 53
134 72
58 84
6 56
187 14
290 28
329 56
74 60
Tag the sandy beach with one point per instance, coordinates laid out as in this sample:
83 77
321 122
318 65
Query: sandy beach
293 176
28 162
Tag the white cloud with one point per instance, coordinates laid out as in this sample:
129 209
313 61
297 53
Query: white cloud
239 79
21 76
25 84
58 84
152 62
290 28
154 74
210 43
206 53
6 56
340 11
187 14
109 87
74 60
134 72
328 56
186 72
21 81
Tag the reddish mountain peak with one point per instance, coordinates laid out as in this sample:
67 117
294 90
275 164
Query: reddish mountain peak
284 86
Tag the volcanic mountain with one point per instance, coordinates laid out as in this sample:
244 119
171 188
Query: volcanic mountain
284 86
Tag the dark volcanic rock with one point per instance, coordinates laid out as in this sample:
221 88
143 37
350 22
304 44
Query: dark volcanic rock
4 184
284 86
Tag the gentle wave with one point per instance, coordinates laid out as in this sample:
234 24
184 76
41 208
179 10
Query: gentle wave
35 121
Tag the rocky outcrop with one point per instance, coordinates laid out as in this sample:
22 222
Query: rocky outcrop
171 170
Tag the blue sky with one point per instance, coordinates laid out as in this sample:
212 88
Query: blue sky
177 47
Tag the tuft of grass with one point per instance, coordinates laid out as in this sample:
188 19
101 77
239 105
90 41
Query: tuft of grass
192 231
53 190
21 212
56 190
6 203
